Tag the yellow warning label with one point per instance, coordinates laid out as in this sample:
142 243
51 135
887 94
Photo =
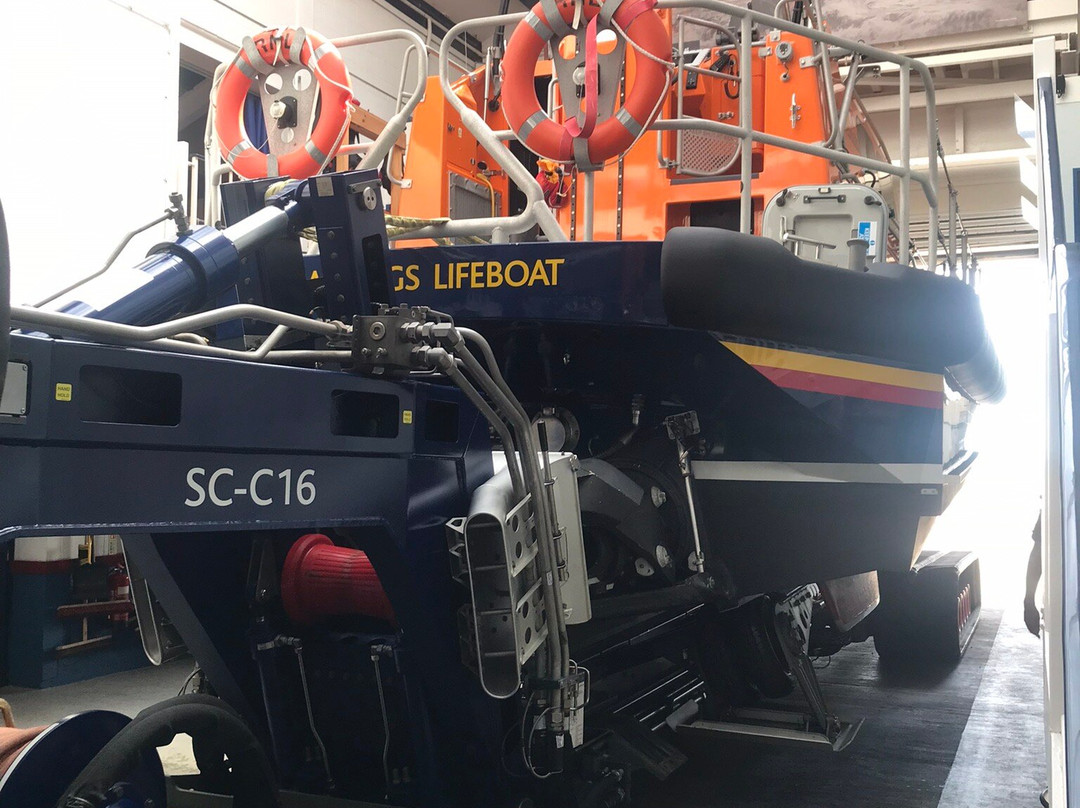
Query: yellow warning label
63 392
314 275
406 416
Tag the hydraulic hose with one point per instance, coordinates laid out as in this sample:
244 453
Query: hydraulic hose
558 649
203 718
561 661
5 300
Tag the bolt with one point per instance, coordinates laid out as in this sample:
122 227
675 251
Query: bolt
377 330
333 256
247 281
330 235
340 298
337 276
370 200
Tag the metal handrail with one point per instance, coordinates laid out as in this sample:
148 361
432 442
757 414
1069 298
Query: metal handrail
536 211
395 127
680 85
927 181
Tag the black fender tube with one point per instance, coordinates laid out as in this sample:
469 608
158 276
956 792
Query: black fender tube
197 715
5 300
752 287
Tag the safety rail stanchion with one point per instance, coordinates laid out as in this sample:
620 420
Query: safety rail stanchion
680 68
905 162
589 184
932 140
953 258
746 121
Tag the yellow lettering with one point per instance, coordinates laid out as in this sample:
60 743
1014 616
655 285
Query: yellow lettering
539 274
399 284
413 282
476 275
554 264
460 270
439 284
494 274
524 273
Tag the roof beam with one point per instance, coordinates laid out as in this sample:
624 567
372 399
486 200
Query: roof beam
955 95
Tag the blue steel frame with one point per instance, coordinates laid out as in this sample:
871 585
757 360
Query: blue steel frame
63 473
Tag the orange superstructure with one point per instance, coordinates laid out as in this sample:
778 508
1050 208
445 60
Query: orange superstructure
441 148
660 182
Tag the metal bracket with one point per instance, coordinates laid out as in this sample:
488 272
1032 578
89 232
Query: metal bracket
679 428
16 391
819 727
792 623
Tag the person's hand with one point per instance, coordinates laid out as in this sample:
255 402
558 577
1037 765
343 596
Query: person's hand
1032 618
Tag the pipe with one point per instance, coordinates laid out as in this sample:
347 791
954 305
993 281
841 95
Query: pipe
494 385
61 323
836 139
108 261
513 462
670 124
179 276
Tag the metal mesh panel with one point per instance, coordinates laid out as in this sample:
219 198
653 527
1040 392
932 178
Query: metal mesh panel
469 199
708 152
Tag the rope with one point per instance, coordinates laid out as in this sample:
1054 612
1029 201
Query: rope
641 50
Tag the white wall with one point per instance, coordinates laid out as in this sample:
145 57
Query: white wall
88 135
62 548
375 69
88 144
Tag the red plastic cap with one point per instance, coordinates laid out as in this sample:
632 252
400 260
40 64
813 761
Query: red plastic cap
322 580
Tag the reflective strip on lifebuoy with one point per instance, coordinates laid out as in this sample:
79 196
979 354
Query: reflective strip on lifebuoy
260 54
548 21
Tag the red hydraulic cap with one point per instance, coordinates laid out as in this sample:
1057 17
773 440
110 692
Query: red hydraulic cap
323 580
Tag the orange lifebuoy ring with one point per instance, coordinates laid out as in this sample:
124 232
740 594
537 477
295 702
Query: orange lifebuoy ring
260 54
610 137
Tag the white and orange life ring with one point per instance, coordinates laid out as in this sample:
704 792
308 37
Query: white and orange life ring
260 54
548 22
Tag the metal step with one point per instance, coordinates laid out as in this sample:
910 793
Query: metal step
781 726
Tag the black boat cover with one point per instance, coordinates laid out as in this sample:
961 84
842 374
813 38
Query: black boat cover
752 287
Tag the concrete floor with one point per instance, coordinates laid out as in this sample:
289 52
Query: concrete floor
1001 759
127 692
998 759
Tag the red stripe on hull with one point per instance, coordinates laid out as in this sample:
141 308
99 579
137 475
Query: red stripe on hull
852 388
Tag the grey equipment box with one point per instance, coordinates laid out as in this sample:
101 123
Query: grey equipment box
815 222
